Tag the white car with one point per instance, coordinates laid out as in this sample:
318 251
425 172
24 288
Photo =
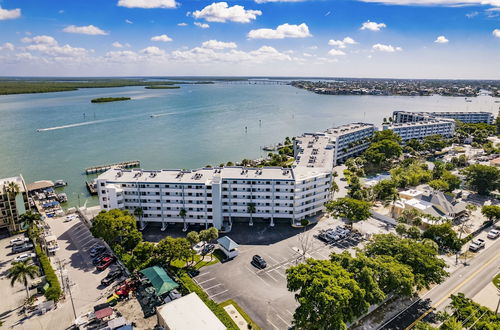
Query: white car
493 234
199 246
18 241
70 217
23 257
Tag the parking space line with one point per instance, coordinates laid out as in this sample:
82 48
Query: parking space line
275 280
213 287
260 278
218 293
271 323
276 261
286 310
203 274
200 283
250 270
279 273
284 321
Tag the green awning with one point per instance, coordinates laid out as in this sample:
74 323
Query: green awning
161 282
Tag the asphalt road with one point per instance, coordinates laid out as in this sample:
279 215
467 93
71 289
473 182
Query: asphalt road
468 279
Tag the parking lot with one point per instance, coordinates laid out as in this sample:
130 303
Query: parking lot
262 293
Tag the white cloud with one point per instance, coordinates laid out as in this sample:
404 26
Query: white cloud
221 12
372 26
452 3
46 40
89 29
182 24
202 25
282 31
205 55
117 44
129 21
49 46
441 40
472 14
215 44
312 47
266 1
342 43
152 50
496 33
336 52
7 46
386 48
147 4
162 38
61 11
9 13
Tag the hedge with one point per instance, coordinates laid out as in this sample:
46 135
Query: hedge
54 292
221 314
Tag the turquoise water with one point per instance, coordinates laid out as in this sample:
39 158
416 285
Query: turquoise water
197 125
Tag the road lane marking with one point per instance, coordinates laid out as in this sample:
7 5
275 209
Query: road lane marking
456 288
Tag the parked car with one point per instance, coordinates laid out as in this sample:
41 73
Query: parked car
198 247
19 241
70 218
259 262
97 260
111 277
105 263
22 248
494 233
97 250
207 249
477 245
23 257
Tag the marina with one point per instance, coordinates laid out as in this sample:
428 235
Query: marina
104 168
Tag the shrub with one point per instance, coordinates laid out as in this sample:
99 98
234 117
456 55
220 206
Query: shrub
54 292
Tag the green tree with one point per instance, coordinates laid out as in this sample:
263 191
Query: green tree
139 212
170 249
452 180
438 170
385 190
251 209
378 275
321 286
421 257
379 153
434 142
492 212
193 237
408 231
141 255
444 236
440 185
482 178
117 227
213 234
386 135
349 208
21 272
472 315
183 214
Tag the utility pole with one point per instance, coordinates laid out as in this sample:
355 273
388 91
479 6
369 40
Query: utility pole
61 273
71 297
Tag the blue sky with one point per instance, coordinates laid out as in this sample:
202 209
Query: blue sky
347 38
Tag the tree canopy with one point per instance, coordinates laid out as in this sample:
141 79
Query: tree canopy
421 257
117 227
444 236
350 208
482 178
492 212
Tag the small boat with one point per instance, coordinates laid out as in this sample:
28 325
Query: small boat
62 198
60 183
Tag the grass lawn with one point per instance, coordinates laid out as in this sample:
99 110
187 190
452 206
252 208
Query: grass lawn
217 256
242 312
496 281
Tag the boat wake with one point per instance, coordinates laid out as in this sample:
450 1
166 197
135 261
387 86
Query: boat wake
74 125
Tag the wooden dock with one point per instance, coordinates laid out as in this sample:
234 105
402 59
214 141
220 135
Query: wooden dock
92 187
104 168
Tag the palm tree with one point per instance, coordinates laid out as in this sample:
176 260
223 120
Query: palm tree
182 214
20 272
138 212
391 200
12 190
251 209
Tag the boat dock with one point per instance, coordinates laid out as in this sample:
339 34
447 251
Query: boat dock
104 168
92 187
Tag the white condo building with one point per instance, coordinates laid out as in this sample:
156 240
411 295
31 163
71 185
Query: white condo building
417 125
466 117
219 196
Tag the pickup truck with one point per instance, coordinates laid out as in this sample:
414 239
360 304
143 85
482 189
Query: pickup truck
477 245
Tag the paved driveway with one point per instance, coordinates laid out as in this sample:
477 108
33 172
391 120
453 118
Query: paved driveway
263 293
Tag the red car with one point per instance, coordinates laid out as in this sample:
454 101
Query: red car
105 262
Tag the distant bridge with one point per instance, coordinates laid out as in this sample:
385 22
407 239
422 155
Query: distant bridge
256 82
